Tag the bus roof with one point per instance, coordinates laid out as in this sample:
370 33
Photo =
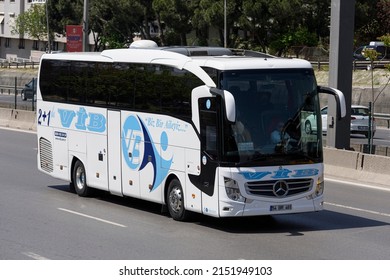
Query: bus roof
246 62
197 57
77 56
215 57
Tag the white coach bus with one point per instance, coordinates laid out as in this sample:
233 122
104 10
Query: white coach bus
190 128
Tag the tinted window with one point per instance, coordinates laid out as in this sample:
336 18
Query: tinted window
142 87
359 111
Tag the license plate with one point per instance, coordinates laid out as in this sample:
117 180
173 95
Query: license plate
362 127
282 207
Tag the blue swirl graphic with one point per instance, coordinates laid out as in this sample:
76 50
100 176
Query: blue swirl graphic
133 128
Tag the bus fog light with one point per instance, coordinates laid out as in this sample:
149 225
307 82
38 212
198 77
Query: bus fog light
232 190
320 186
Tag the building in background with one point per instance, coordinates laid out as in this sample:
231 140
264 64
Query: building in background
21 48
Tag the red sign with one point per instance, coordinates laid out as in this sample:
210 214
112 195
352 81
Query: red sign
74 38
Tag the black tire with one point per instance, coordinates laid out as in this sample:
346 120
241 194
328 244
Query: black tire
80 180
71 187
175 201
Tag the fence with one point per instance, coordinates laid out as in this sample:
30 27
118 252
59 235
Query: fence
16 64
319 65
16 102
357 64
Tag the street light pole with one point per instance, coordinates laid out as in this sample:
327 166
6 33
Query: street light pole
47 26
225 23
85 26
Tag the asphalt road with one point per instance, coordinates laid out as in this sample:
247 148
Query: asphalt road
41 219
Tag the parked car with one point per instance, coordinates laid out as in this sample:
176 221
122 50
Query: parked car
359 121
30 90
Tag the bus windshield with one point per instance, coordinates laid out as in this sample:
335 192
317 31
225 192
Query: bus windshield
277 118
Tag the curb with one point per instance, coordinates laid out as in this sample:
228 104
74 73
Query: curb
19 119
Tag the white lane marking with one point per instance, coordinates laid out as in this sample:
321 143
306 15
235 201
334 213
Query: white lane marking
91 217
358 209
34 256
358 184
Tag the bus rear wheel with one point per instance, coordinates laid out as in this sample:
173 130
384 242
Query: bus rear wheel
80 179
175 201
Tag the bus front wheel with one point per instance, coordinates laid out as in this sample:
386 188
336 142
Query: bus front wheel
80 180
175 201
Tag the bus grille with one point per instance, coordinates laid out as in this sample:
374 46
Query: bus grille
46 155
266 188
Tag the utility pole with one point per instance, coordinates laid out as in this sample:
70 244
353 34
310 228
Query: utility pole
47 27
340 70
85 26
225 23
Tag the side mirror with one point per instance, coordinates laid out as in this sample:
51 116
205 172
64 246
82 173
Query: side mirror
339 97
230 103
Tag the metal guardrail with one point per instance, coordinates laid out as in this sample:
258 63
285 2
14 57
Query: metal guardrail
23 64
357 64
9 89
17 103
381 116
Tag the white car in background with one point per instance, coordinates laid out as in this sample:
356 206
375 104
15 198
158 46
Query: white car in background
359 121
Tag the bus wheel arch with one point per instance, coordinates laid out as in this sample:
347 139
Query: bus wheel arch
174 199
79 178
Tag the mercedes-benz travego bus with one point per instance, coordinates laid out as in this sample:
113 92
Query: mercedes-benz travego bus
196 129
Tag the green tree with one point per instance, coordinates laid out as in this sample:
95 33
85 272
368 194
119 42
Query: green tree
63 13
264 25
315 16
32 23
113 22
177 16
286 19
383 9
367 26
256 19
210 14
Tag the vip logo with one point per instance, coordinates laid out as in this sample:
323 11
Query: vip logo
281 173
82 120
255 175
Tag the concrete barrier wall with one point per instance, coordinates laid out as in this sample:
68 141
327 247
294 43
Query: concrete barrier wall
357 166
20 119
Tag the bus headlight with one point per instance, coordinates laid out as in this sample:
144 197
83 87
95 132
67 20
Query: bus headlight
320 186
232 190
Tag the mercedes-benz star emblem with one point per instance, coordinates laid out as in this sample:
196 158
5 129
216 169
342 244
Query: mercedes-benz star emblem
280 189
